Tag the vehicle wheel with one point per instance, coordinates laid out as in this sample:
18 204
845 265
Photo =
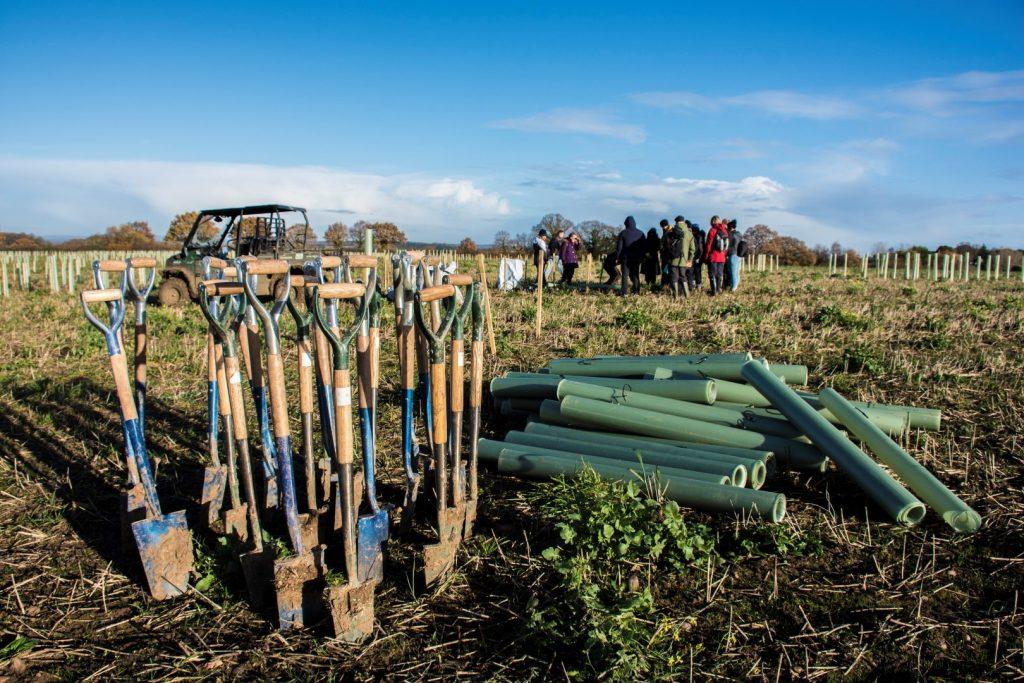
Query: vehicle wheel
173 292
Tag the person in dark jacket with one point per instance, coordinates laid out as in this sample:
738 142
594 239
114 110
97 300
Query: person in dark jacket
693 273
540 247
652 261
610 269
666 254
569 258
629 252
716 248
732 259
680 256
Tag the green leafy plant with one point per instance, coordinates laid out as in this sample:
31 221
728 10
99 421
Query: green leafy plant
610 534
636 320
835 316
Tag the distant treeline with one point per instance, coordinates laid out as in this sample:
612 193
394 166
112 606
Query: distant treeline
597 236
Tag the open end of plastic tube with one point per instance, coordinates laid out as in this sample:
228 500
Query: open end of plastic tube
712 394
967 521
739 476
758 473
912 513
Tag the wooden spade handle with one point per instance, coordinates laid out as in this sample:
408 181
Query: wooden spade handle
93 296
223 400
123 385
112 266
439 405
235 395
362 261
343 417
342 290
278 402
436 293
460 279
458 375
328 262
229 272
218 263
305 356
267 267
142 262
363 361
476 374
223 287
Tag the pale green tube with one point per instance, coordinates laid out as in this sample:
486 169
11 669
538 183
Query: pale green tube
694 494
743 455
865 472
917 418
741 355
650 423
790 374
736 472
731 392
954 511
699 477
638 367
696 411
535 385
756 469
891 422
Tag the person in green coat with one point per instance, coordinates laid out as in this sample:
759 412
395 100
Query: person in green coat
681 250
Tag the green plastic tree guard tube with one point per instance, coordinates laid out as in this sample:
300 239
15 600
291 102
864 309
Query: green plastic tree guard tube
647 422
667 470
917 418
638 367
954 511
872 479
790 374
698 390
550 415
891 422
739 355
756 469
694 494
730 392
724 416
736 472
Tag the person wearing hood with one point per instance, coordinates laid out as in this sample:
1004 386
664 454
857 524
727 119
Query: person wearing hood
629 252
652 260
679 254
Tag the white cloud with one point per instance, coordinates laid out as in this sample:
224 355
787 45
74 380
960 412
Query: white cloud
941 95
86 194
580 121
787 103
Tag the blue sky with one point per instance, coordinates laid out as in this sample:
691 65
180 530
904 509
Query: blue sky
862 122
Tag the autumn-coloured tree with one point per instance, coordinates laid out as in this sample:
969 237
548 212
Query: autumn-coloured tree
502 242
337 235
19 241
467 246
300 235
386 235
758 238
182 224
597 236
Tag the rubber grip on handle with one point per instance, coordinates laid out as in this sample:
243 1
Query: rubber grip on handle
435 293
92 296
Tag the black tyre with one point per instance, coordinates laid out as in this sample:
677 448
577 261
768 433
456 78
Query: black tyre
173 292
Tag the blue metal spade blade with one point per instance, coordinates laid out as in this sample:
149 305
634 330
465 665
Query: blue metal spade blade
165 547
373 534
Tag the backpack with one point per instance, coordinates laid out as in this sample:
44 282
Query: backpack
720 242
741 248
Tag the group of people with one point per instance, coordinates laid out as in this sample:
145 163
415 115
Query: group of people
673 260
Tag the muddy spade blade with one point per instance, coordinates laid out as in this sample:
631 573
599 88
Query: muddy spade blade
351 609
165 547
215 480
258 568
373 534
439 558
298 584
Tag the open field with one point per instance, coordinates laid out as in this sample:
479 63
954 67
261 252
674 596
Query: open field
834 590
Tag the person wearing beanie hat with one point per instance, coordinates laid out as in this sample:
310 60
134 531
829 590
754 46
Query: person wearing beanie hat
629 252
665 253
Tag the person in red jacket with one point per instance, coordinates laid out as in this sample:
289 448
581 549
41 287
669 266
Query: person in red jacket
716 249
